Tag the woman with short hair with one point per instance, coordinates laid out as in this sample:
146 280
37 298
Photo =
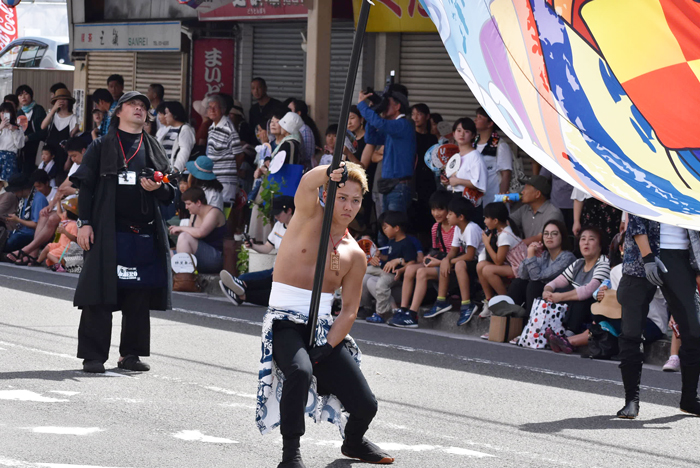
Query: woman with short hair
179 139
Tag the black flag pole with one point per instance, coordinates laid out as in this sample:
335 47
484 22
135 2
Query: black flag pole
337 154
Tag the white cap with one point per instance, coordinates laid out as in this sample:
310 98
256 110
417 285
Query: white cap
291 122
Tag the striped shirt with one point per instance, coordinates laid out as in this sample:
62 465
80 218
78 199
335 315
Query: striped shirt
308 145
168 142
223 144
446 238
584 282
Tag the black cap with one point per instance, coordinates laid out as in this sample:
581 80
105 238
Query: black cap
540 183
131 95
18 182
281 203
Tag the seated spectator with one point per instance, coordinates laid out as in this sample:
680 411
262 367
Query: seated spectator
255 287
12 139
68 230
535 272
498 239
417 275
466 245
578 282
31 202
536 211
42 232
48 163
202 175
8 206
385 270
309 132
204 237
471 178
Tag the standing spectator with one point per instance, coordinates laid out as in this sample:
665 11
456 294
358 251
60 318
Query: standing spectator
471 178
155 94
285 127
33 134
123 209
310 136
536 211
356 124
12 99
497 156
424 178
204 237
435 119
61 124
224 147
396 133
55 87
561 197
261 110
103 101
589 211
115 85
31 202
179 140
12 139
245 131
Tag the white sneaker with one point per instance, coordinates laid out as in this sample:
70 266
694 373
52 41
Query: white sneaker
673 364
485 311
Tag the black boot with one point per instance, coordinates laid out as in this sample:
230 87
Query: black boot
631 377
366 451
291 455
689 392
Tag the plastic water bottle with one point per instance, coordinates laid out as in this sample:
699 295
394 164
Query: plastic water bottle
606 283
506 197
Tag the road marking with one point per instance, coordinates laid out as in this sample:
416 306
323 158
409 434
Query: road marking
396 447
27 395
38 282
23 464
232 392
64 392
196 436
79 431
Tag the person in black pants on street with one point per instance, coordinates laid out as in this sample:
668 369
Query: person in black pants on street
119 206
665 256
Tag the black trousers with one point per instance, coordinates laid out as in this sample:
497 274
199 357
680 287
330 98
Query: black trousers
525 292
95 330
337 374
635 294
578 315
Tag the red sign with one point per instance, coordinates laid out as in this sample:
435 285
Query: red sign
241 10
8 25
212 69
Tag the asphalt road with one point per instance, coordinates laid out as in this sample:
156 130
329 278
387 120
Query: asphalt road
444 400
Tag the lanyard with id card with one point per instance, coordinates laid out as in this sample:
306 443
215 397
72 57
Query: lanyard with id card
128 177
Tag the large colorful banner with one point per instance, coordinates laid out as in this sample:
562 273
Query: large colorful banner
246 10
395 16
212 69
604 93
8 25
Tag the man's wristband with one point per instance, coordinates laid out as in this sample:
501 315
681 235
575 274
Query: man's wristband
649 258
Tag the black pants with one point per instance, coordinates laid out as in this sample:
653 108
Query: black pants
635 294
258 286
578 315
95 330
337 374
525 292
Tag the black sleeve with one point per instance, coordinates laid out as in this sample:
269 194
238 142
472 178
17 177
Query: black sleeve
165 194
85 179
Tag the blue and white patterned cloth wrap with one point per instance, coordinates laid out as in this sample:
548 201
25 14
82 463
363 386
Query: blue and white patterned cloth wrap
319 407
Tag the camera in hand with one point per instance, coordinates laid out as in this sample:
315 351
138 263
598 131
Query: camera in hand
380 100
157 176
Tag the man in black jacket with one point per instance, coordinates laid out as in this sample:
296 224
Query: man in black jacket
33 135
119 206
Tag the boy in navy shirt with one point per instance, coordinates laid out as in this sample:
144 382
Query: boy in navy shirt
387 269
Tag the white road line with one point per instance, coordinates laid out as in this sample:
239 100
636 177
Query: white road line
23 464
197 436
27 395
38 282
79 431
64 392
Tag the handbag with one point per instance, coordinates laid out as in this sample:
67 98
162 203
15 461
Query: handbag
601 343
387 185
542 316
437 253
72 258
186 282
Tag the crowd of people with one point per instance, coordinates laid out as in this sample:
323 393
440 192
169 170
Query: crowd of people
433 241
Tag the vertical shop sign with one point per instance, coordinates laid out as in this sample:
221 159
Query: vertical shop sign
212 68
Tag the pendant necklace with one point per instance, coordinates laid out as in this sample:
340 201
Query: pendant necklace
335 256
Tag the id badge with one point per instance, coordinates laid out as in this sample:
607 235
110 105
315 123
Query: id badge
127 178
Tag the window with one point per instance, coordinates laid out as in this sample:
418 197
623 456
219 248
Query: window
9 58
63 55
31 55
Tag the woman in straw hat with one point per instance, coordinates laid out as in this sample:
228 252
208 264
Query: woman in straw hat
62 124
